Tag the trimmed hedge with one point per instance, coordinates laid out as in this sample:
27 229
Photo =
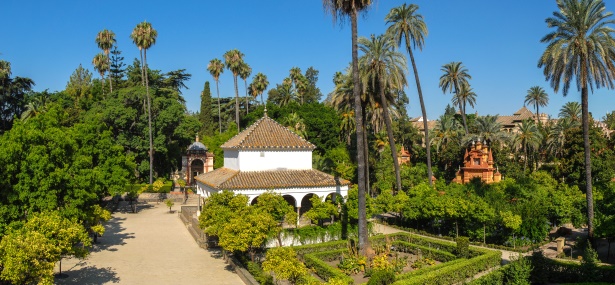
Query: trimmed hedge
556 271
494 246
439 255
320 247
324 270
457 272
495 277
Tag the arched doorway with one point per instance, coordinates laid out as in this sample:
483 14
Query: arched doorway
196 167
306 204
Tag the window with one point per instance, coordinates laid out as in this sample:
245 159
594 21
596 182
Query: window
477 161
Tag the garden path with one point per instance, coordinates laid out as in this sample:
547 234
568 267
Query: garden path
149 247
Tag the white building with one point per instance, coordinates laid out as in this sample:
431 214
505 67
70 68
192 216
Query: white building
269 157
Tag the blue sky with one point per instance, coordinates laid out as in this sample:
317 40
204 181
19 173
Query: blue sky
498 42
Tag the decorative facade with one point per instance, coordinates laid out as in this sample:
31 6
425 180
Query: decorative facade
196 161
478 162
269 157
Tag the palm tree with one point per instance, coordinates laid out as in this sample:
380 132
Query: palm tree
538 97
490 129
571 110
260 84
527 138
215 68
582 46
295 124
341 9
383 69
408 24
101 65
233 60
244 73
447 130
105 41
347 126
454 77
144 36
464 97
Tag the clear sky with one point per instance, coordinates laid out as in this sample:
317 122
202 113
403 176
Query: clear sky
498 42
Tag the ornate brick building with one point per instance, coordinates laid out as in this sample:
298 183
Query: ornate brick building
478 162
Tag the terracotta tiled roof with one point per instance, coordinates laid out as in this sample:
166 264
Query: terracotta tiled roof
228 179
505 120
267 134
523 113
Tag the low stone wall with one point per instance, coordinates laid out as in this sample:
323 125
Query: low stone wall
188 217
160 197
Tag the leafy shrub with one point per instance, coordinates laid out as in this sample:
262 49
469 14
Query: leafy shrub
382 277
463 247
518 271
257 272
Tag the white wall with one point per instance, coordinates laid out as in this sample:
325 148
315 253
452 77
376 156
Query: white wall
273 160
231 159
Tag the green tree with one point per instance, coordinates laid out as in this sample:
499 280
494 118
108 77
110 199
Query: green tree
144 37
101 64
247 232
512 222
233 60
571 111
465 96
454 77
79 84
538 97
283 262
117 69
215 68
219 209
408 24
582 46
280 210
260 84
528 138
28 254
383 69
351 9
105 40
321 210
205 116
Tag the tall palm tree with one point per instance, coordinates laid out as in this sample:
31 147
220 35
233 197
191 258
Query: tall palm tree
454 77
351 9
101 65
244 73
260 83
527 138
383 69
347 126
464 97
407 23
215 68
233 60
582 46
105 40
538 97
144 37
447 130
571 110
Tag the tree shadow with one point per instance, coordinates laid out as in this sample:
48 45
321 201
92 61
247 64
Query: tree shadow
89 275
114 235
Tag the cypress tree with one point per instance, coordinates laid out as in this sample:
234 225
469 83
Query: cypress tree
205 116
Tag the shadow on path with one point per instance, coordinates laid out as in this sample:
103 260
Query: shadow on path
114 235
89 275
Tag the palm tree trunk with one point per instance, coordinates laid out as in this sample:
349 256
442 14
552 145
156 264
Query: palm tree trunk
362 224
219 116
588 166
387 122
245 83
461 110
109 76
142 67
423 112
236 103
149 121
366 151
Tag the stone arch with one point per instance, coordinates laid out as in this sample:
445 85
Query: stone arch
254 201
306 204
196 166
290 200
334 197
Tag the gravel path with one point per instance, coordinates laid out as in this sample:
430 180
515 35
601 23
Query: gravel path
150 247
